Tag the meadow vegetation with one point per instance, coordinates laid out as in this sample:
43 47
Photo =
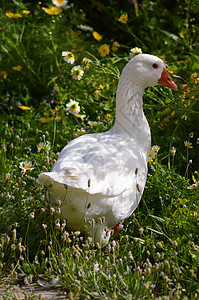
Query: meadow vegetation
59 69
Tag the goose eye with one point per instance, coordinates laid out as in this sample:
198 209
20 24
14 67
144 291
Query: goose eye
155 66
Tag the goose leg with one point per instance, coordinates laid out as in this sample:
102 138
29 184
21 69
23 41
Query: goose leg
116 229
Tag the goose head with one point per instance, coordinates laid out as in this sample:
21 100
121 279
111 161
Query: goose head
147 70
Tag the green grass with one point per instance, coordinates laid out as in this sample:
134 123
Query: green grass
156 255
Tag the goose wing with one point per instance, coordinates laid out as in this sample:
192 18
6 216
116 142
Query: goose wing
98 163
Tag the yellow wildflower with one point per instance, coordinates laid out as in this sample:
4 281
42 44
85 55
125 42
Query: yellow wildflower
13 16
195 184
53 10
97 36
151 155
79 132
96 93
80 116
188 144
77 72
94 124
52 80
115 46
123 18
135 51
24 165
86 62
3 75
68 57
73 107
57 118
153 152
108 118
26 12
24 107
155 148
193 178
181 34
45 120
44 147
104 50
16 16
17 68
9 15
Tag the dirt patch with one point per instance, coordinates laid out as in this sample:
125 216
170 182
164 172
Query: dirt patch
20 291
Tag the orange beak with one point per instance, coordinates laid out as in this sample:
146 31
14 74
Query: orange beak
166 80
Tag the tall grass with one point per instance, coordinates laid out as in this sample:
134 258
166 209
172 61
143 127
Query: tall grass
155 256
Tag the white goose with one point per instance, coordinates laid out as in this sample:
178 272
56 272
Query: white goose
102 176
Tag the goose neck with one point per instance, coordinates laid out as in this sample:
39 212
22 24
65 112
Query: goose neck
129 100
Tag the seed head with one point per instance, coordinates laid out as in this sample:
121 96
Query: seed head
173 151
52 210
57 224
93 223
19 247
192 272
44 226
32 215
70 296
98 246
126 238
14 234
191 135
78 288
43 209
7 176
141 230
13 247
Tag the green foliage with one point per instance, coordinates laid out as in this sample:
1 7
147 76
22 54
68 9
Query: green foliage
156 253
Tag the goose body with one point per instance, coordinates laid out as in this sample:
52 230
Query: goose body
102 176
